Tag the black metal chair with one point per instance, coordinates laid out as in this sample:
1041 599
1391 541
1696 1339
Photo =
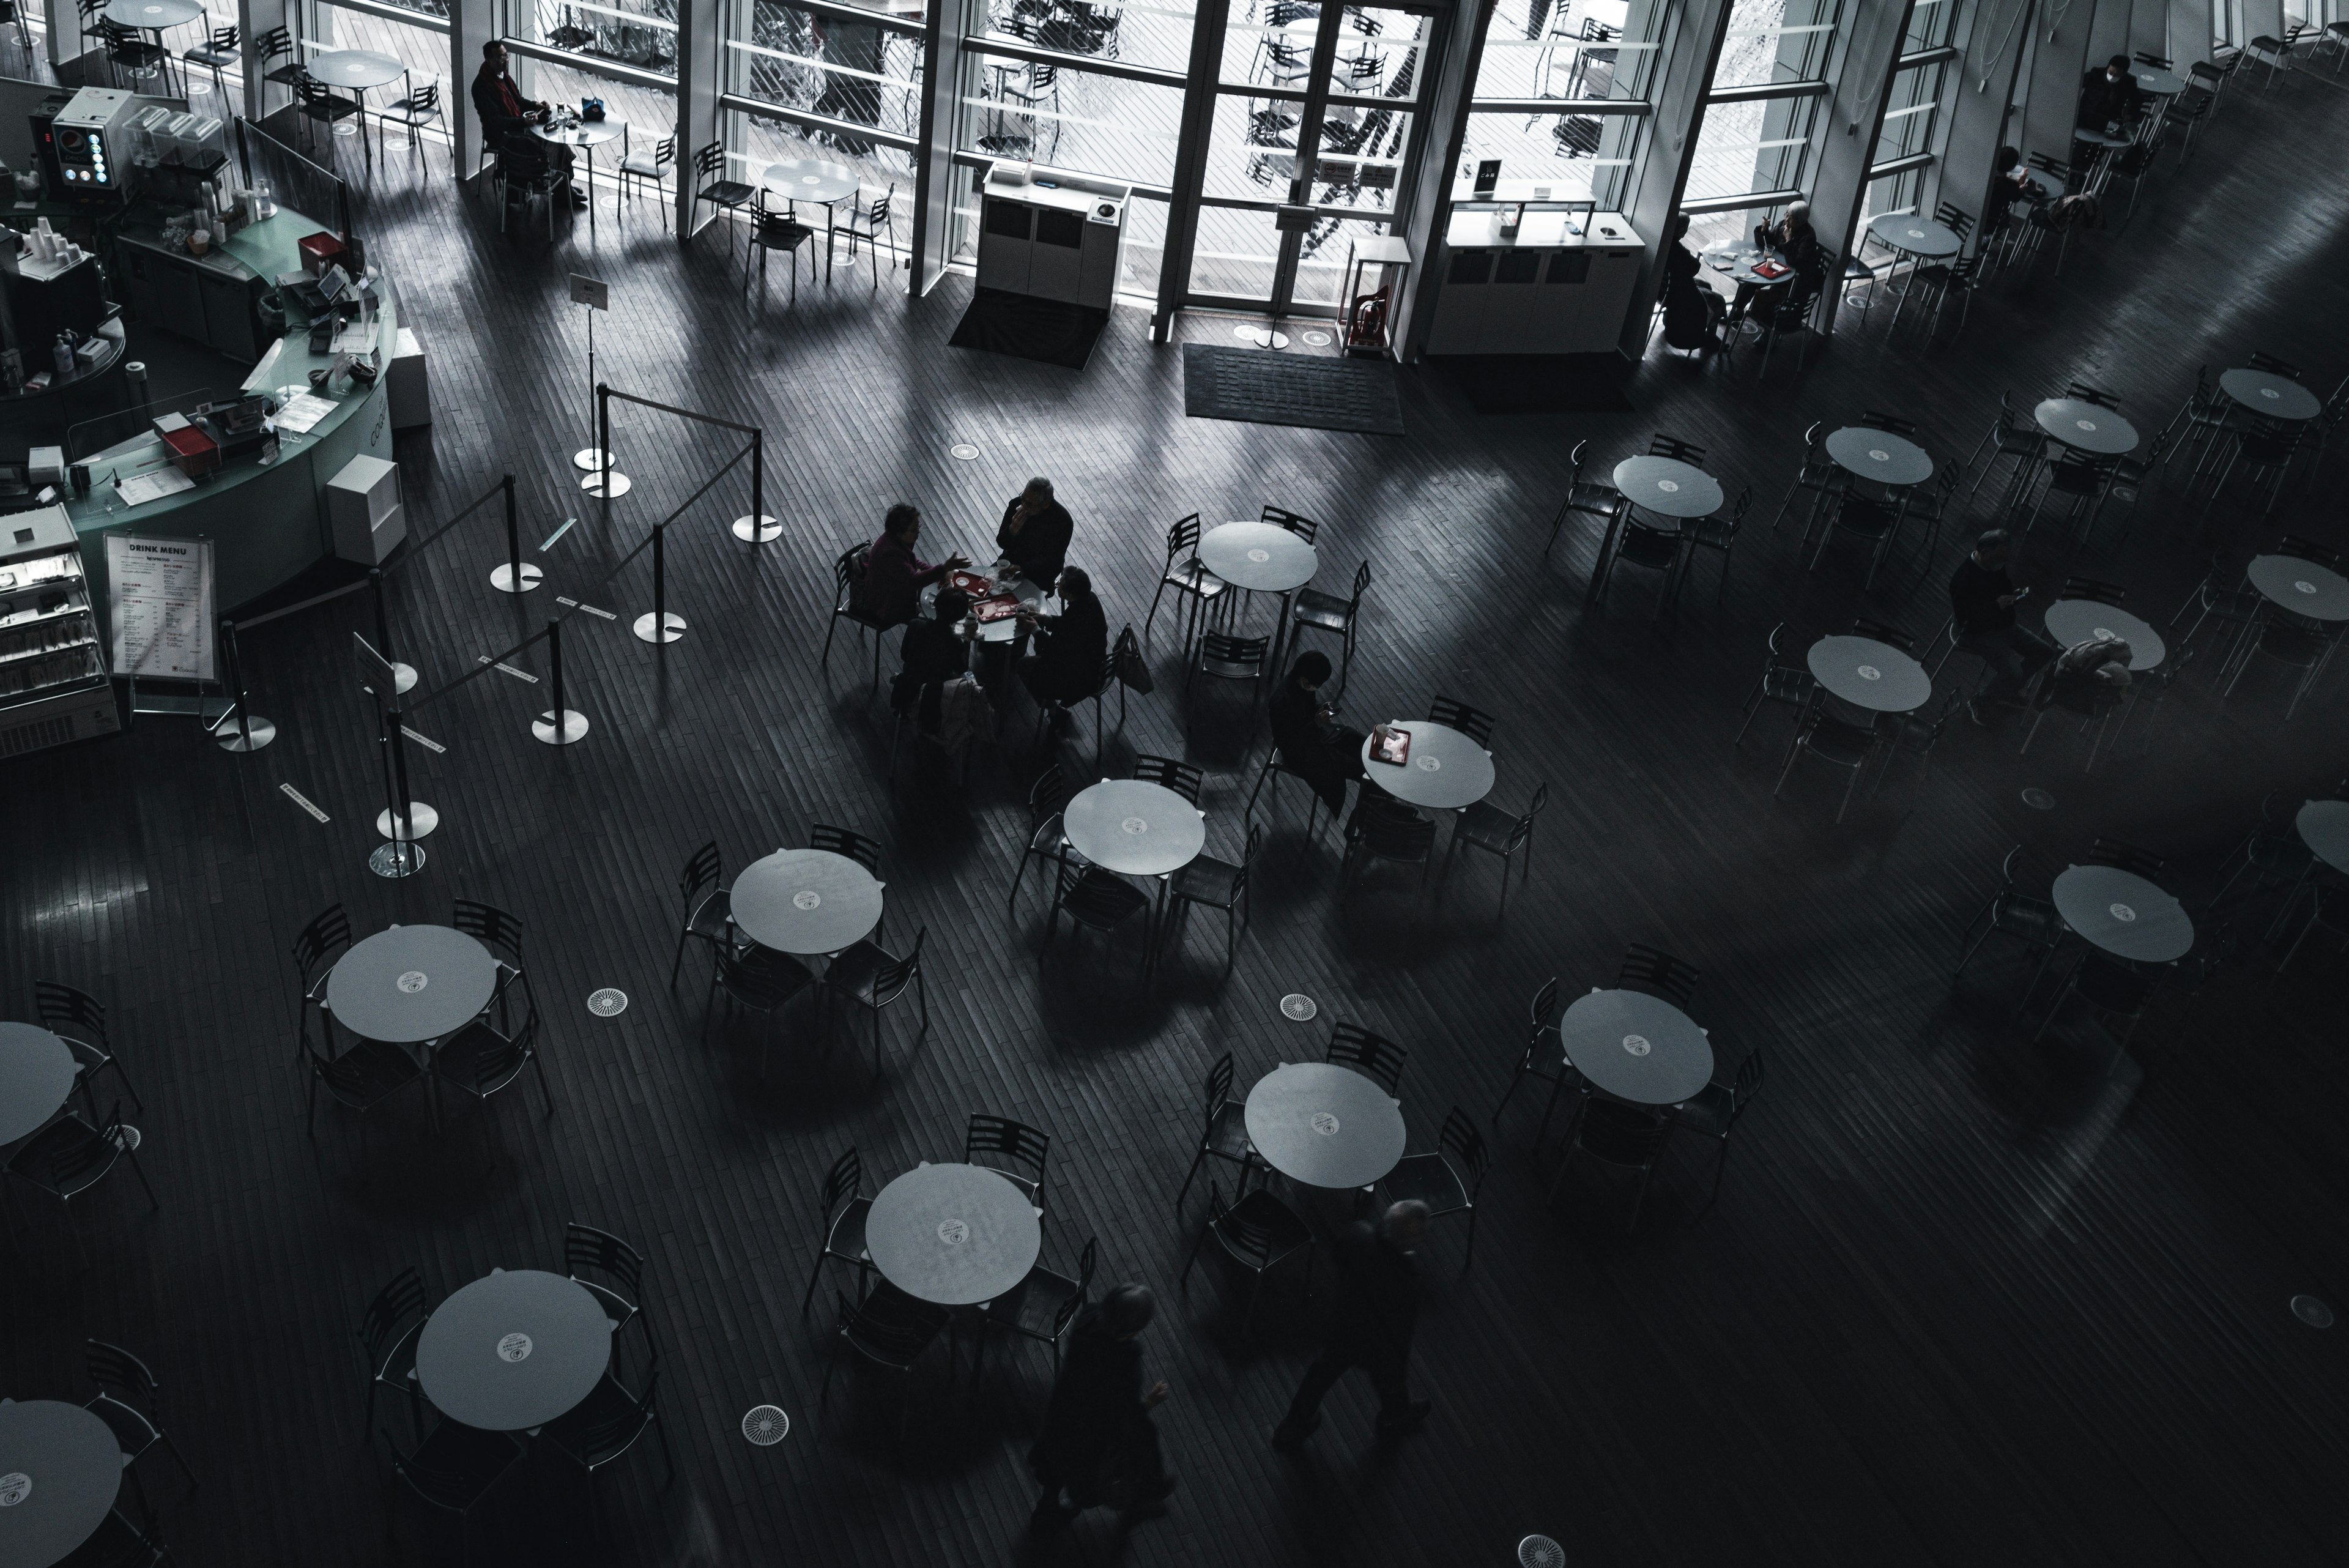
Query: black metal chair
126 1402
419 108
1013 1150
318 106
708 908
1846 744
1046 838
1656 973
1820 475
869 223
847 572
452 1470
525 174
1625 1137
1719 533
710 185
482 1062
1793 685
1218 885
387 1334
2273 853
217 53
1591 500
603 1427
129 54
2096 707
360 1080
1384 829
1317 611
640 168
2025 917
887 1328
1099 902
1258 1232
1229 658
328 934
1863 517
1374 1057
1446 1178
2017 436
1188 576
1184 778
1642 544
612 1272
761 980
1455 714
1544 1057
1224 1137
868 976
78 1019
1486 826
1042 1306
771 232
840 1218
2115 990
69 1156
500 932
1303 528
1270 773
1713 1110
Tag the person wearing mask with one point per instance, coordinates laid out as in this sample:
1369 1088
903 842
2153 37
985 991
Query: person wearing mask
1798 246
1098 1445
1034 534
502 111
1692 312
890 589
1378 1308
1981 605
1306 732
1066 657
931 653
2109 96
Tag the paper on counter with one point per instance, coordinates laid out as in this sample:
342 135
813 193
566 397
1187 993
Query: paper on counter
302 412
141 488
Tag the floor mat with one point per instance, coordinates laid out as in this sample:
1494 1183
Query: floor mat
1046 330
1540 383
1270 387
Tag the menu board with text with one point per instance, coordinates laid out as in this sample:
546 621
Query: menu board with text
162 601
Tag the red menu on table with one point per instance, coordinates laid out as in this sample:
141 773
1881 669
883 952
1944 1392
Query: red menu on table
1389 744
999 606
972 583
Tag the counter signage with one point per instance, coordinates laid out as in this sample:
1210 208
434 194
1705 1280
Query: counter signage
160 598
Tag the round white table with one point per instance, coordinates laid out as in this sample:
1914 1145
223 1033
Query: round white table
2265 392
2086 427
60 1469
953 1235
586 136
1007 629
2092 136
806 902
1445 770
2122 913
2301 587
1668 487
513 1350
2325 827
1636 1047
410 984
1921 240
2050 185
2159 83
1262 558
2075 621
153 15
1324 1126
1738 262
36 1075
1869 674
813 180
1879 455
357 70
1134 827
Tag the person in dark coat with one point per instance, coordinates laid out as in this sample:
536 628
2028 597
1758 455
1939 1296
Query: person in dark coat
1795 240
1692 312
501 111
890 590
1982 603
1098 1445
1377 1310
932 652
1067 655
1311 744
1034 534
2109 94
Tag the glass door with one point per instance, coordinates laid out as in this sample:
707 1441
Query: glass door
1319 107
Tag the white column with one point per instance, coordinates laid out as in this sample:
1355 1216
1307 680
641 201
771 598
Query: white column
700 52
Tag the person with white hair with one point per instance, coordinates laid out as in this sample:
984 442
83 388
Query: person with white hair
1798 244
1377 1309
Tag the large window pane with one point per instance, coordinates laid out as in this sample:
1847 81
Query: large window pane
820 65
1253 153
1157 35
1746 147
1380 52
760 143
1321 258
640 33
1910 106
1776 41
1235 253
648 112
1580 157
1068 119
1931 24
1269 43
1571 48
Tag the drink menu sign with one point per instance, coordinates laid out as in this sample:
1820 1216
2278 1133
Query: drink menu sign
162 605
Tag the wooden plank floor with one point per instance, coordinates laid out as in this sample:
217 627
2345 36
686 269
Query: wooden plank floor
1964 1300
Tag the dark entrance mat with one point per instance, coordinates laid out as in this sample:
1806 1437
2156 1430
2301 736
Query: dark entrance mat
1270 388
1028 328
1540 383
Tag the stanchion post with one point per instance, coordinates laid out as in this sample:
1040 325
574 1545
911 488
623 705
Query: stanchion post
403 676
608 482
559 726
758 528
403 857
252 734
512 575
660 626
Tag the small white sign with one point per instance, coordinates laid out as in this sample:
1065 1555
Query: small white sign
2123 913
593 293
1136 825
1260 556
1636 1045
514 1347
1669 487
1429 765
412 982
1324 1123
14 1488
806 899
1869 672
1876 455
953 1233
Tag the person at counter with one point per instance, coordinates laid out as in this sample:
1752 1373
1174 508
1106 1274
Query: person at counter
504 112
2109 96
1796 243
1034 534
890 589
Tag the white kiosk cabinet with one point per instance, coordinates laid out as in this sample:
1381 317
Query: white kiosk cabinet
1560 284
363 510
1052 236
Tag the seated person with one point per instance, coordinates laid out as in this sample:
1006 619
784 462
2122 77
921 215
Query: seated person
1692 312
502 111
2010 182
1306 731
2109 96
1982 601
2090 675
1066 659
932 652
1034 534
1796 242
890 589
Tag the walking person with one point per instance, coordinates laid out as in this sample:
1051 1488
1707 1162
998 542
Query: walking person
1098 1446
1378 1307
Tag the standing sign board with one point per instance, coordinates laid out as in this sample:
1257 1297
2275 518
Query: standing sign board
160 593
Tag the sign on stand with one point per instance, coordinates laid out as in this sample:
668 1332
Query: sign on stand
159 596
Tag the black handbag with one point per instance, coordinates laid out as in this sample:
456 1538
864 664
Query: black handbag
1132 669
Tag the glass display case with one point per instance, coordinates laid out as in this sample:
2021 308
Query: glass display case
53 675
